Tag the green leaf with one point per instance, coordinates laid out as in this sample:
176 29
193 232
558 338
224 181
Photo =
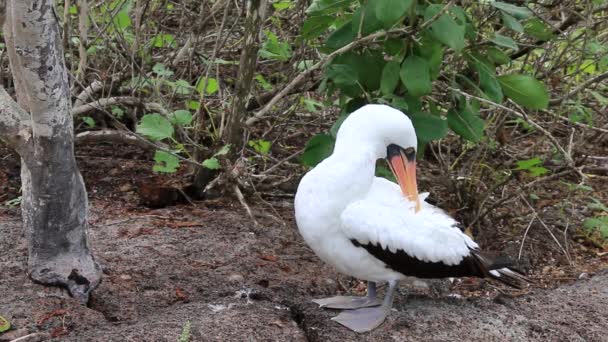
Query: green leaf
73 9
117 112
89 121
318 148
163 40
415 75
512 23
165 162
211 88
537 29
599 224
370 22
516 11
315 26
160 70
342 74
504 41
466 124
194 105
211 163
324 7
282 5
122 21
262 82
155 126
597 205
429 127
340 37
181 117
528 163
390 78
446 29
390 11
274 49
223 151
497 56
487 78
525 90
431 49
5 325
182 87
261 146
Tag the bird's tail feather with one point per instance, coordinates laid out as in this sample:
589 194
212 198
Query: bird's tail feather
501 269
510 277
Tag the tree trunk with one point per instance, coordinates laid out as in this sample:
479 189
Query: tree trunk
253 23
40 129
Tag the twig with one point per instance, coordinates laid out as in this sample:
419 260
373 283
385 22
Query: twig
581 87
350 46
298 79
521 246
83 32
525 117
241 198
87 93
547 228
111 101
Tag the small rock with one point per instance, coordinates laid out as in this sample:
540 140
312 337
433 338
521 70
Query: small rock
125 277
421 285
584 275
236 278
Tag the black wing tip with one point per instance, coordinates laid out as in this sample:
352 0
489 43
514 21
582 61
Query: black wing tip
502 269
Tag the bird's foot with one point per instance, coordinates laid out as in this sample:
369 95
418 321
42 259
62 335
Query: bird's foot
347 302
364 319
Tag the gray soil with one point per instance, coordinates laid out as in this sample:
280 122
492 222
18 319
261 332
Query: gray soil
233 282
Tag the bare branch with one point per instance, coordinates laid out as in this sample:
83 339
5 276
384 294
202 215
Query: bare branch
581 87
101 104
13 119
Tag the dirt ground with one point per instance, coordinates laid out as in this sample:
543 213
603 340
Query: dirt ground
209 265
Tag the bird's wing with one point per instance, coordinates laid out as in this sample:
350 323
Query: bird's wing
386 222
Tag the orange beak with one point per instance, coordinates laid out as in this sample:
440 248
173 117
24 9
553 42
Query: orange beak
404 169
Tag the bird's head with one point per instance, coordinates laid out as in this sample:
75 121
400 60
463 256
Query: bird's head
391 135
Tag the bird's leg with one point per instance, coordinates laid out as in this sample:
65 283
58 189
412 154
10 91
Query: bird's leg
368 319
351 302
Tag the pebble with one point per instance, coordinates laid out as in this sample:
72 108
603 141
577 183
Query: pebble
236 277
584 275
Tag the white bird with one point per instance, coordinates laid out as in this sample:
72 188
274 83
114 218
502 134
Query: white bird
373 229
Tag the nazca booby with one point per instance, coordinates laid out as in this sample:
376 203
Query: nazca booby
373 229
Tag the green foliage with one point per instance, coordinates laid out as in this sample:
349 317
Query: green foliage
211 87
525 90
180 117
275 49
317 149
409 70
88 121
155 126
390 11
532 166
260 146
415 75
466 123
185 335
165 162
5 325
